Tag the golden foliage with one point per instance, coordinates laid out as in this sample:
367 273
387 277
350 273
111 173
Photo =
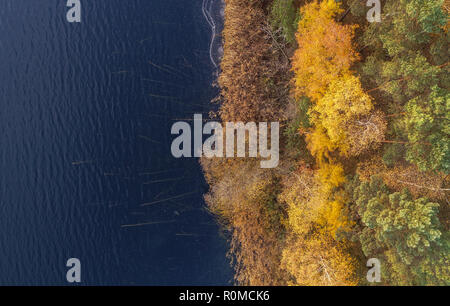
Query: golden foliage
298 189
311 256
325 49
318 260
341 109
330 199
342 113
344 103
319 143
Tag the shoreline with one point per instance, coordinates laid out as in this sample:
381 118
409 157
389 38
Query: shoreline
309 202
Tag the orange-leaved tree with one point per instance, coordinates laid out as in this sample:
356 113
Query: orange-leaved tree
325 49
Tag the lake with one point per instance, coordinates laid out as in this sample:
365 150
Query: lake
85 161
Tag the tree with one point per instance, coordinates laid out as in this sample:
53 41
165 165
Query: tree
430 184
345 112
404 233
342 111
310 255
428 130
408 63
285 16
367 133
318 261
319 143
325 49
407 25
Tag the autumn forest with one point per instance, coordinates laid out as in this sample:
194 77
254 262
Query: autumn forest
364 110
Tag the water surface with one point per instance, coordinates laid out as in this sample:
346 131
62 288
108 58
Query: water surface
85 118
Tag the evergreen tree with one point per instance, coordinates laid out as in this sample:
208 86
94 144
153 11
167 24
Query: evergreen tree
408 66
404 233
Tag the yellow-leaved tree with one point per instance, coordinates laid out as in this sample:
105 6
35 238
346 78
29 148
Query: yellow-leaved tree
325 49
344 103
322 65
310 255
322 73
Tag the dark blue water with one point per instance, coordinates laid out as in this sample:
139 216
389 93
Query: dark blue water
85 117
